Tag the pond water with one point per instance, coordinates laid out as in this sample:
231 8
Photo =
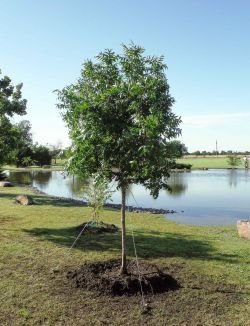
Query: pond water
213 197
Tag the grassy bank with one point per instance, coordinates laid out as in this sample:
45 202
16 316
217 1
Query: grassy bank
196 162
208 162
210 263
54 167
58 166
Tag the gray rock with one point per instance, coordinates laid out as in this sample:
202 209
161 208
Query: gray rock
6 184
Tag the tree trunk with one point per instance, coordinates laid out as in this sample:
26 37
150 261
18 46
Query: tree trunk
124 263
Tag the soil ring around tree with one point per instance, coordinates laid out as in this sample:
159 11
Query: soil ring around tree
97 227
104 278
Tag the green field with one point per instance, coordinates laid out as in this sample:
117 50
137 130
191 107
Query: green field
53 167
197 163
210 263
208 162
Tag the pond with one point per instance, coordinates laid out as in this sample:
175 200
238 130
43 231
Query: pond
213 197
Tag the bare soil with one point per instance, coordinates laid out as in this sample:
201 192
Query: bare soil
104 278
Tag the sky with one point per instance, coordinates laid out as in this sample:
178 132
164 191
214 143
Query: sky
205 44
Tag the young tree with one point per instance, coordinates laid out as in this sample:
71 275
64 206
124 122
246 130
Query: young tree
11 103
97 193
120 122
233 160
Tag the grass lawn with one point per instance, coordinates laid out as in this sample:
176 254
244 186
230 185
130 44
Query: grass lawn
58 166
208 162
197 163
211 263
54 167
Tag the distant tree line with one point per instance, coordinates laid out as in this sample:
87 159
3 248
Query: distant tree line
222 152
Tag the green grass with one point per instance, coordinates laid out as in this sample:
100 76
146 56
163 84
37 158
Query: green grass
197 163
211 264
208 162
54 167
60 163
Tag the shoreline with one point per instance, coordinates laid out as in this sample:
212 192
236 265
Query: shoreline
128 208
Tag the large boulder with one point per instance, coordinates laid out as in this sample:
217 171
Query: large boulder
24 200
6 184
243 227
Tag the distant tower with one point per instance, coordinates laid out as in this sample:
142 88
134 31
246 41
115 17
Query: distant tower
216 146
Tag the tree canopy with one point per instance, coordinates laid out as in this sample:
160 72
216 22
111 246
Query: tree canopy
22 152
11 102
120 119
41 155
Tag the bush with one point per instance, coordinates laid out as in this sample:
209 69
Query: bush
233 160
182 166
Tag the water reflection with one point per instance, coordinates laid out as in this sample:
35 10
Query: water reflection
206 197
30 177
232 179
22 177
178 185
76 185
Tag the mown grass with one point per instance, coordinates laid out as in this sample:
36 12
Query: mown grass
210 263
58 166
54 167
208 162
220 162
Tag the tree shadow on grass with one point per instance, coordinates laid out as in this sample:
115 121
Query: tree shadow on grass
148 245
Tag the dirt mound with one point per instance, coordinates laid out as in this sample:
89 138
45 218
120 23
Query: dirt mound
97 227
104 278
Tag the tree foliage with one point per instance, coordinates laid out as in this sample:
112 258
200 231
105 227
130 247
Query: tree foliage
233 160
120 119
177 149
11 102
22 153
41 155
97 192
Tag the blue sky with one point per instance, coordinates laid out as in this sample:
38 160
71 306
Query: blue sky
205 44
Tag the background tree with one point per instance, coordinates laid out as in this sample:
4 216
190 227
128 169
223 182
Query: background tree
56 150
21 155
41 155
66 153
120 121
11 103
176 149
